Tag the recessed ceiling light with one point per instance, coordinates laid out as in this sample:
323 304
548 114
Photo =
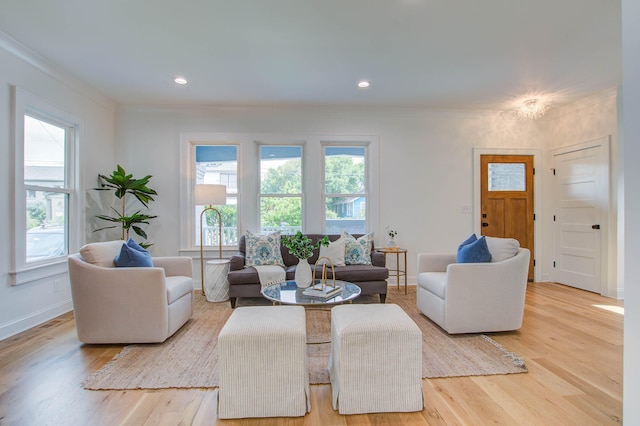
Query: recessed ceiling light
180 80
363 84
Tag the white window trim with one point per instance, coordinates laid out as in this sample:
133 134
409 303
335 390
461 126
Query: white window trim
303 163
249 179
26 103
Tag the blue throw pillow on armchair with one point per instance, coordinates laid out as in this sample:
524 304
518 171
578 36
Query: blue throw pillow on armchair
474 252
132 255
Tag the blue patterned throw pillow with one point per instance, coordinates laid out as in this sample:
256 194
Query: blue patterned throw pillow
475 251
357 252
262 249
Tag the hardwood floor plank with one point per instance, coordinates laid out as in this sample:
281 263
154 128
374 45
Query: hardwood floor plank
572 348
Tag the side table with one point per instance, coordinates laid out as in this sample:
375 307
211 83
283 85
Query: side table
398 272
216 286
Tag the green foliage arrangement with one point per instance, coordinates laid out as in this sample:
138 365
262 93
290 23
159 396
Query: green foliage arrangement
300 246
124 184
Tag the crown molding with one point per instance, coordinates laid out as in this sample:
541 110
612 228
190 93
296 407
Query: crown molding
25 54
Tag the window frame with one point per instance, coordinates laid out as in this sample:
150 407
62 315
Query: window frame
188 224
248 181
25 103
260 195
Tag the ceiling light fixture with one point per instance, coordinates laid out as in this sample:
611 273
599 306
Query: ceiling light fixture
180 80
363 84
532 109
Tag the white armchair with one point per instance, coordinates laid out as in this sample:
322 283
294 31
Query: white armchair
472 297
129 305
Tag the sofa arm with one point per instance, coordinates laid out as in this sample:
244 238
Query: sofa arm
435 262
378 258
175 265
236 263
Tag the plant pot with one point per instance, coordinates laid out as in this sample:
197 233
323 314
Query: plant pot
303 274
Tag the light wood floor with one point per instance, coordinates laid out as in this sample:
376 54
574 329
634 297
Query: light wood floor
572 347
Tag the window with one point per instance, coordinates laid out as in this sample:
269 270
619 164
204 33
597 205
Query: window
278 182
506 176
44 197
345 195
280 188
218 164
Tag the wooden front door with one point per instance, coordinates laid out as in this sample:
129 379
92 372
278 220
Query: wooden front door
507 199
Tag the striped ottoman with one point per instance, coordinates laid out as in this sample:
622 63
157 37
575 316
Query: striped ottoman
262 359
376 360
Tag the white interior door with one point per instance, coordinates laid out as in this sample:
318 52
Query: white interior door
581 206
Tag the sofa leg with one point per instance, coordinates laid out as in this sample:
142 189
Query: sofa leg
233 302
383 297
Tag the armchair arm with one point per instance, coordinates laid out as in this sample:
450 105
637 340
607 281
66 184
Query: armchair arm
435 262
174 265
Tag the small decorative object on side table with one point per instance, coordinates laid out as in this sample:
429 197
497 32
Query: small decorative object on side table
216 285
397 271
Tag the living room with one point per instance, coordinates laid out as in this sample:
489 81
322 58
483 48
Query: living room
424 167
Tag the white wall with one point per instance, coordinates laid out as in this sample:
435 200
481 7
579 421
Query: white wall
630 207
24 306
589 119
426 159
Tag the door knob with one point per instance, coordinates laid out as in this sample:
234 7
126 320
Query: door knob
595 226
485 224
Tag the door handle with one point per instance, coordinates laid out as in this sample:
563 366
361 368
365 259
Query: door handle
595 226
485 224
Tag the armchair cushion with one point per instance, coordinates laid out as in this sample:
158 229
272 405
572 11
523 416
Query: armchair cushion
474 252
101 254
502 248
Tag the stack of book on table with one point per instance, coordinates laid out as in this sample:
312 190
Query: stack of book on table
324 293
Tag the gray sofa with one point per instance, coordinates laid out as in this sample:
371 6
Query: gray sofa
244 282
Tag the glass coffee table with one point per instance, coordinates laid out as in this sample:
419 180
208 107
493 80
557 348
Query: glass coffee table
288 293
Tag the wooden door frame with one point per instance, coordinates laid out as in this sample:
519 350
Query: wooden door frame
537 196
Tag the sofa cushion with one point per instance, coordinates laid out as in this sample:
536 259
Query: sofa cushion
132 257
101 254
263 249
502 248
474 252
334 251
358 251
358 273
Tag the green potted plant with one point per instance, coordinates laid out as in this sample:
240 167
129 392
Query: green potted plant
124 184
302 247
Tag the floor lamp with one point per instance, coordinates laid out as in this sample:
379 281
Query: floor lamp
208 196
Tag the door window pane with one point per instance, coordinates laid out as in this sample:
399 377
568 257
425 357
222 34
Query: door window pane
506 177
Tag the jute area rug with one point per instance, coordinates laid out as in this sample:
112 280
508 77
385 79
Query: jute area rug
188 359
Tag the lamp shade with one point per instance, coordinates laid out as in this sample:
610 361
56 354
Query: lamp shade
210 195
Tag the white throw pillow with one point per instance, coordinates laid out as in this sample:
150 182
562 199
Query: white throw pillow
502 248
101 254
334 251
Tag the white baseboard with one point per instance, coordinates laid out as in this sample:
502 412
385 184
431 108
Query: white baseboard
33 319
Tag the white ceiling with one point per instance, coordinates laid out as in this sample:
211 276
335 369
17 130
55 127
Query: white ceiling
444 54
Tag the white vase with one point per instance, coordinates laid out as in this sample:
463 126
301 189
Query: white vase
303 274
392 243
